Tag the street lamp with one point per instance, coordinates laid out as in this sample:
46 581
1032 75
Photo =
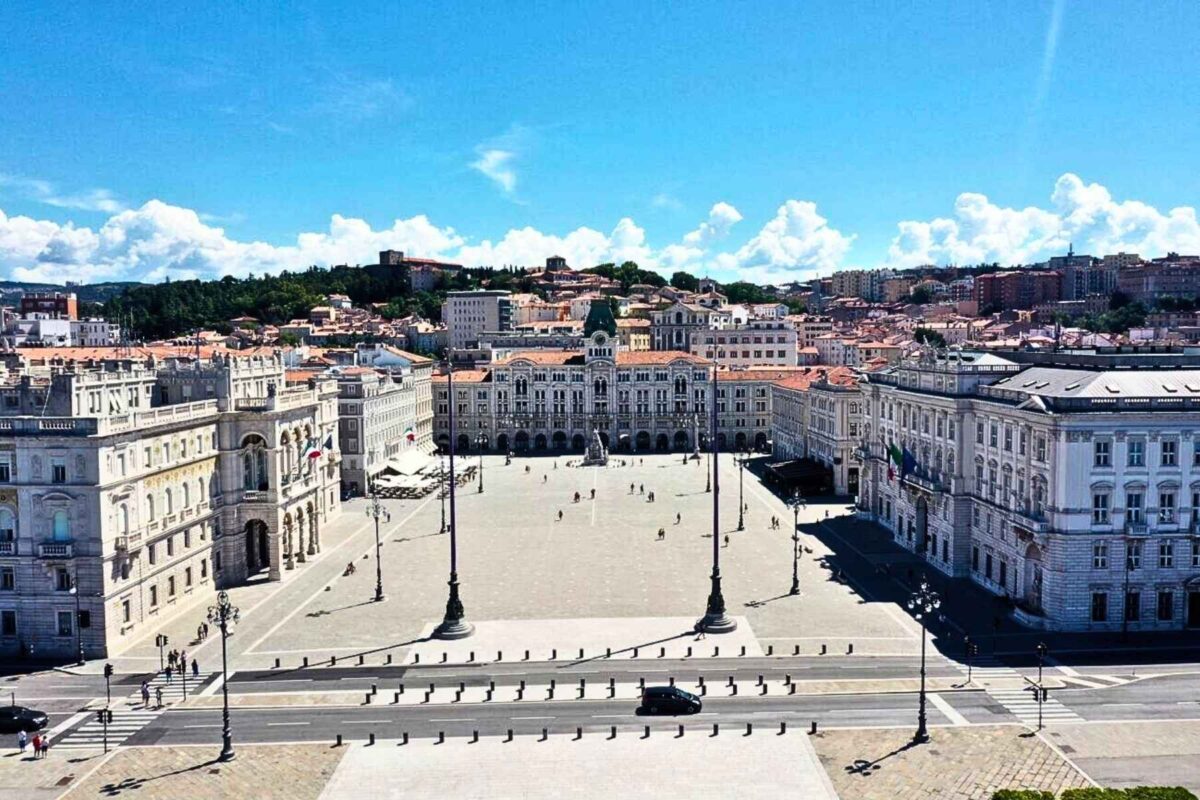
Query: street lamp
454 624
481 440
223 615
741 502
797 504
696 436
442 489
1041 654
378 512
923 602
78 614
715 619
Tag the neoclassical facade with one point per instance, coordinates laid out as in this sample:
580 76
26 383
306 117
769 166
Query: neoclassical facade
1071 487
124 499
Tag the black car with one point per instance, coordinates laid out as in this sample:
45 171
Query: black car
669 700
19 718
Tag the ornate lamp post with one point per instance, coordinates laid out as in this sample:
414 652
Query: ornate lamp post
78 627
223 615
715 619
741 500
481 441
454 624
376 511
442 489
797 504
923 602
696 436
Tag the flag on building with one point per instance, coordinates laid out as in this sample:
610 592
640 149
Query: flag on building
410 435
908 463
313 451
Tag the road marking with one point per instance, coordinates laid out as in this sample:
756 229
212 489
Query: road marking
218 726
460 719
269 724
533 717
57 730
1064 669
610 716
364 721
950 711
211 689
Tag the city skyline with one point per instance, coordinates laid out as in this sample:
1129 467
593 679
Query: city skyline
828 140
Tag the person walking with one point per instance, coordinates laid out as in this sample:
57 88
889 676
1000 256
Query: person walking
593 494
641 488
727 540
22 741
158 696
195 668
44 750
662 534
631 488
145 694
560 515
169 671
37 745
678 518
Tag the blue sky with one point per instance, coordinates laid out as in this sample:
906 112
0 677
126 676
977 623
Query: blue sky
758 140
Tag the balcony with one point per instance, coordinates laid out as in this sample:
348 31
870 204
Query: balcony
925 480
255 496
56 550
1136 527
1030 520
8 548
121 544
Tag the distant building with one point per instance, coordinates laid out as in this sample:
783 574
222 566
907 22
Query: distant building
1161 278
1017 289
423 273
760 343
467 314
54 305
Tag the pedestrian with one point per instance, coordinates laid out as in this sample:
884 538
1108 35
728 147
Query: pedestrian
543 478
44 750
22 741
182 665
641 488
158 696
631 488
206 630
678 517
37 745
727 540
169 671
560 515
662 534
199 633
556 465
145 694
195 668
593 494
827 513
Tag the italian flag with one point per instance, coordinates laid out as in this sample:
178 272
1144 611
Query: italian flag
313 451
410 435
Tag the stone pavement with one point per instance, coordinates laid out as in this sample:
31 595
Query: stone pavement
282 772
965 763
26 778
1123 754
696 766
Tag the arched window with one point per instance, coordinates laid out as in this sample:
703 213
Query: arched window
187 495
123 519
168 501
62 526
150 507
8 525
254 464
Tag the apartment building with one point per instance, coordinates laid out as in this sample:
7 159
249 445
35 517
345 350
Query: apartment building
467 314
816 415
760 342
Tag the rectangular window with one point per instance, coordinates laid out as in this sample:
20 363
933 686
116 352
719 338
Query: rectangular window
1133 555
8 579
58 471
171 586
1196 453
152 553
1133 506
1100 555
1100 508
993 434
975 559
1166 606
187 577
1166 553
66 626
153 596
1166 507
1133 606
62 580
1137 453
203 568
8 623
1170 454
1099 607
1007 439
978 433
1101 454
126 611
1003 572
987 566
5 468
1041 448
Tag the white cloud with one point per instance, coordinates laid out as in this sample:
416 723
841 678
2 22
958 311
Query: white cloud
1085 215
797 242
497 165
46 192
721 218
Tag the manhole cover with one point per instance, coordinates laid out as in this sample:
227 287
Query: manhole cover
64 780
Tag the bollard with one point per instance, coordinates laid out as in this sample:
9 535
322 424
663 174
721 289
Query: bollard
553 653
474 736
472 658
333 661
427 696
305 664
716 651
499 655
671 680
662 652
760 680
743 651
581 652
703 690
368 700
716 729
276 664
612 732
462 686
441 737
360 661
431 688
458 695
749 728
700 680
388 660
813 729
787 679
608 652
488 699
689 652
850 649
526 655
646 735
770 649
730 680
509 739
642 683
796 652
416 658
401 688
404 738
824 649
792 689
680 735
553 683
522 686
396 697
339 741
734 692
445 657
635 653
370 738
582 685
764 689
491 686
374 688
782 728
544 736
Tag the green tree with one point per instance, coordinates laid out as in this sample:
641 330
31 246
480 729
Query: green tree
685 281
289 339
930 337
920 295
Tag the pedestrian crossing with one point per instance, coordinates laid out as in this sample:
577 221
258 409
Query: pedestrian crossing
1019 701
131 715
